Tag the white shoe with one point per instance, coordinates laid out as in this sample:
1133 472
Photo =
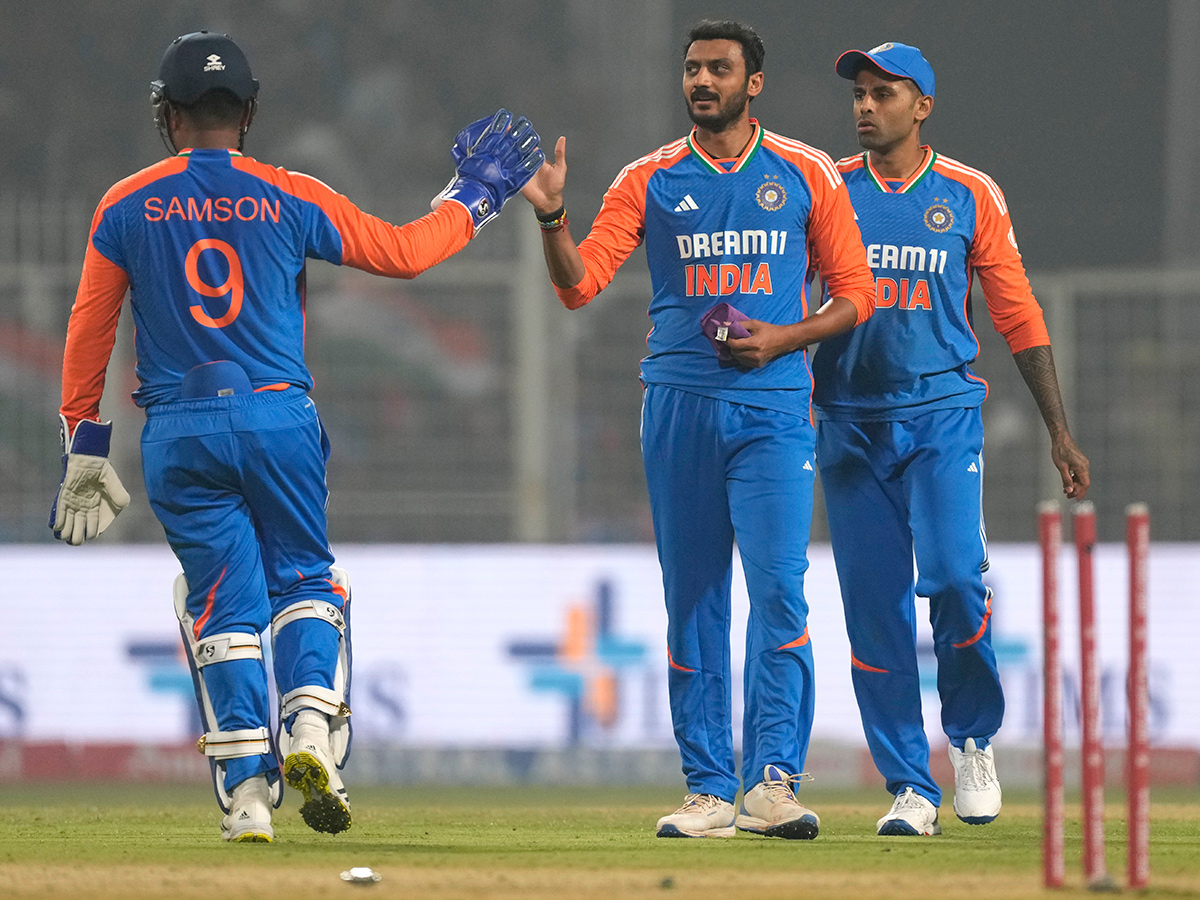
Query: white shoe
249 819
910 814
702 815
976 788
309 769
771 808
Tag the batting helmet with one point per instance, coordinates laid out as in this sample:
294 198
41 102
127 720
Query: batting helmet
200 62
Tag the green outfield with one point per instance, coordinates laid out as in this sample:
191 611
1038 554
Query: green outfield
426 842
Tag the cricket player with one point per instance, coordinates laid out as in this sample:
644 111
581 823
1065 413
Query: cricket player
730 212
211 246
900 438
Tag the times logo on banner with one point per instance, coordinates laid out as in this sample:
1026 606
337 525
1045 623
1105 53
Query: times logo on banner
586 664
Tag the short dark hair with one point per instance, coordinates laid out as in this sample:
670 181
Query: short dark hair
753 50
214 109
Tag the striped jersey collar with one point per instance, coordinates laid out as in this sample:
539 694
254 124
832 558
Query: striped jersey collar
747 154
881 183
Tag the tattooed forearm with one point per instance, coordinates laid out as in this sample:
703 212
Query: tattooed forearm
1036 365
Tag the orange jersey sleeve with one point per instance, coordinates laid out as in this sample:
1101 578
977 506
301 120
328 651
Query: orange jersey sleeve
91 333
836 247
1015 312
369 243
619 227
92 328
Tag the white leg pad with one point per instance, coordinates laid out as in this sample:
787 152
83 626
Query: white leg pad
330 702
219 746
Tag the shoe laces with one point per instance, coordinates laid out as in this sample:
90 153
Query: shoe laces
979 773
783 789
910 799
702 803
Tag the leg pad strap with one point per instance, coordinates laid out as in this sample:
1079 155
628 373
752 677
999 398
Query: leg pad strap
233 744
227 646
309 609
313 697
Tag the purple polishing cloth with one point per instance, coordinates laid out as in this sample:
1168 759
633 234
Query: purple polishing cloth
721 323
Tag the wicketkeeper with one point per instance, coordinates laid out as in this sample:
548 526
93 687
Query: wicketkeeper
211 246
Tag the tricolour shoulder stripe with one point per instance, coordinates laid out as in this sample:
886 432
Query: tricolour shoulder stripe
666 152
824 163
957 168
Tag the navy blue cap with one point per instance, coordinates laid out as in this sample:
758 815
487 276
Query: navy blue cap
901 60
204 61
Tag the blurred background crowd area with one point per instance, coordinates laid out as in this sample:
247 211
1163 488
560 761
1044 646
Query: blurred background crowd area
467 406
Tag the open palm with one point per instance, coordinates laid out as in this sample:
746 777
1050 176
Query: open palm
545 189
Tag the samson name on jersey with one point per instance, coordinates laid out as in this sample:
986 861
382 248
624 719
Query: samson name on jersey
925 238
212 246
744 231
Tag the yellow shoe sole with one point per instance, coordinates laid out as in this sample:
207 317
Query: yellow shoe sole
322 810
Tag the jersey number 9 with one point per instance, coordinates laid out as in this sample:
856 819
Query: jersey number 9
232 285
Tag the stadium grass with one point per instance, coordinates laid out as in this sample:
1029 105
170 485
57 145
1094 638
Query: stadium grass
60 841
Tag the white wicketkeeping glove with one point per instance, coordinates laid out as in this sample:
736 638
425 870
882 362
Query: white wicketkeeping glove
91 494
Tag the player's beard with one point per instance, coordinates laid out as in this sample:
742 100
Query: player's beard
729 112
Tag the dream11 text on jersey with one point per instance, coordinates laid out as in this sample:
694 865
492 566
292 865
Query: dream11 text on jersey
728 278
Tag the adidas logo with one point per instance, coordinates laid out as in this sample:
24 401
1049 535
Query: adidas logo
687 204
245 814
972 468
807 467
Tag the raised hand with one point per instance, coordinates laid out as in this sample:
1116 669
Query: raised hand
498 156
545 189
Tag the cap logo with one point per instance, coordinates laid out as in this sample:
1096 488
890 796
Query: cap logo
214 64
882 48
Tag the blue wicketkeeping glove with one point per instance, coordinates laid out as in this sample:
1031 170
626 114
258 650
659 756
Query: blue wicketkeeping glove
465 140
494 158
91 495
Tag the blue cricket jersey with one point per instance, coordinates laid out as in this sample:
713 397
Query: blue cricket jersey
744 231
211 246
925 238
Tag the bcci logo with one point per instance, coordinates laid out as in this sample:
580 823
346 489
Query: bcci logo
939 218
882 48
771 196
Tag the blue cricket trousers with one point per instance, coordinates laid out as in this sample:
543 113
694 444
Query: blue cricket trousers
238 484
719 471
895 491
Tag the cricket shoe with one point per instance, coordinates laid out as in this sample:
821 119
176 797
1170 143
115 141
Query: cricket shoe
702 815
771 808
910 814
309 769
249 819
976 788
